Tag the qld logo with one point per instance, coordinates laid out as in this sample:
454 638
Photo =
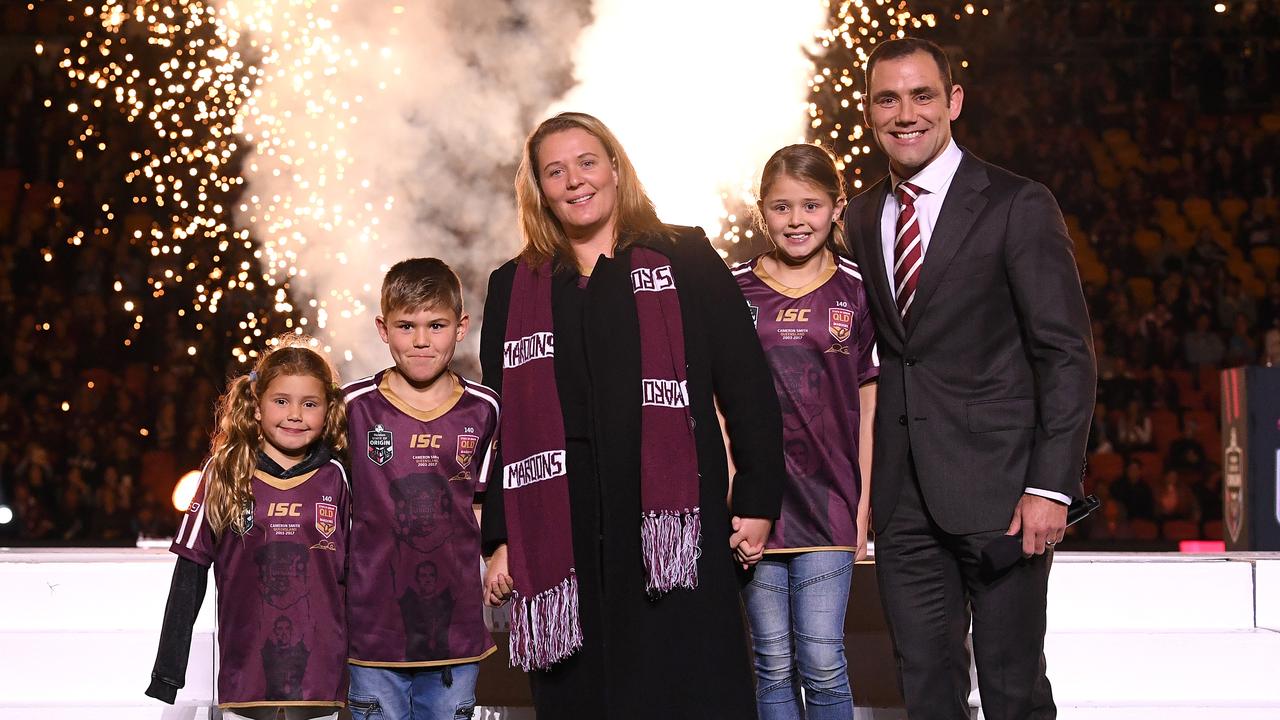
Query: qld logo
380 448
466 449
840 323
326 518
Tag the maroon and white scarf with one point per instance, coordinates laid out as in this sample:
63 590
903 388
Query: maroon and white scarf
545 626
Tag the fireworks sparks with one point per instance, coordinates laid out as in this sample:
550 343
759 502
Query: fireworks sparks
175 74
308 187
836 104
187 77
281 154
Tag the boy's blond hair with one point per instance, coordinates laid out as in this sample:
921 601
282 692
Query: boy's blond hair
417 283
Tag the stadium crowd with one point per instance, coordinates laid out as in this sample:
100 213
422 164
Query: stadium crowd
1156 125
97 418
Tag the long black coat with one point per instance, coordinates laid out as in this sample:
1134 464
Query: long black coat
685 655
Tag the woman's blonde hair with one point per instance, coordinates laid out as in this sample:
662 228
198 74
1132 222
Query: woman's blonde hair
544 237
812 164
238 437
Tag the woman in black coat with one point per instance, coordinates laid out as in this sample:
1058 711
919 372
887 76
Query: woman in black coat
683 653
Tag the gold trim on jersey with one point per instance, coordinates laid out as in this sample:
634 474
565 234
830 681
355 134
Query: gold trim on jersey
427 663
384 387
820 548
286 483
829 269
283 703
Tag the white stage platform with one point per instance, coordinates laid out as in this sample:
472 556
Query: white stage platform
1131 636
1165 636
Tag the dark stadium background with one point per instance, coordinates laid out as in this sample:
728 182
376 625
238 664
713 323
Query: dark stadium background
1156 125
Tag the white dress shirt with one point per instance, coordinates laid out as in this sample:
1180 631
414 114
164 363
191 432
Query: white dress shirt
935 179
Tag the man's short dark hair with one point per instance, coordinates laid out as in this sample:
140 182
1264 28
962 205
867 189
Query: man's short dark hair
902 47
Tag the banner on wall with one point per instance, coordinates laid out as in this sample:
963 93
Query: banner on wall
1251 458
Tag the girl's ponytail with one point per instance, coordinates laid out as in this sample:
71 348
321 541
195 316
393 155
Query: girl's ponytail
335 421
234 456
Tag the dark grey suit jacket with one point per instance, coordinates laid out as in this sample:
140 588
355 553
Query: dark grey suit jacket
990 387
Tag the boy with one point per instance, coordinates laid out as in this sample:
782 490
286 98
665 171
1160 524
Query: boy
421 438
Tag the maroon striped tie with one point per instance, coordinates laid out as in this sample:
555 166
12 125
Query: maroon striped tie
908 250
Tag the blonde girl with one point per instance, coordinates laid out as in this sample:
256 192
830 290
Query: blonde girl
271 517
814 324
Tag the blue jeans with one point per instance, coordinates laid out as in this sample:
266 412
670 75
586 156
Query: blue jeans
430 693
796 606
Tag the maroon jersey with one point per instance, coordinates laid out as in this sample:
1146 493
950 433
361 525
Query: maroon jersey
820 344
281 615
415 590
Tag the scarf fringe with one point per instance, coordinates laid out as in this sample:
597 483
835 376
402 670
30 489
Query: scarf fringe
545 628
669 541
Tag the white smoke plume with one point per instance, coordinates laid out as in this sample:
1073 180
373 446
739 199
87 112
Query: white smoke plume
387 129
700 93
391 129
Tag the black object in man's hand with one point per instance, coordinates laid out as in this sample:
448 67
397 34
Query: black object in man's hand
1005 551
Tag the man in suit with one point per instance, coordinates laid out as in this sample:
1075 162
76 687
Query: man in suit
987 388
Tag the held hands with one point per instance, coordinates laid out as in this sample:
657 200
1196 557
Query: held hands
1042 522
498 584
748 539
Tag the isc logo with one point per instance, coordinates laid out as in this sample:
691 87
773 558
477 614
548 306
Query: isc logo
793 315
424 440
284 509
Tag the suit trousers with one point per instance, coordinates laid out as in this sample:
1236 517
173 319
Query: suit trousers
931 589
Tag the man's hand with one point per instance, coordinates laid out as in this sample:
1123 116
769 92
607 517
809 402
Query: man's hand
498 584
748 539
864 521
1042 522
